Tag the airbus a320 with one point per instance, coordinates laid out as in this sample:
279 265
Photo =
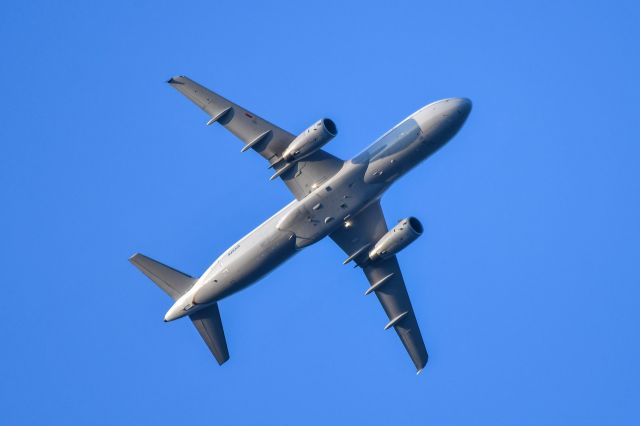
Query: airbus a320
335 198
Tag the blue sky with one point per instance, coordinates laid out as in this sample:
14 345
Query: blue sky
525 283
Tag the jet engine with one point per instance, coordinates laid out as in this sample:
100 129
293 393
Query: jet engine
311 140
403 234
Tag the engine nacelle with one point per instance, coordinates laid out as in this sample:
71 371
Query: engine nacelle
403 234
311 140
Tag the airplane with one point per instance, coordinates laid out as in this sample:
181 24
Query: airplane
333 197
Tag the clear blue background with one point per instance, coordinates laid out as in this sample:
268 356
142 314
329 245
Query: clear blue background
525 284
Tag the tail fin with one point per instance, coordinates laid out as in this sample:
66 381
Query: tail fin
175 283
171 281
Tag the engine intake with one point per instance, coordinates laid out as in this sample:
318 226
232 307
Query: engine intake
311 140
404 233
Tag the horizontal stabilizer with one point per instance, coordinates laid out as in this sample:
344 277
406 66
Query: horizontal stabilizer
208 323
171 281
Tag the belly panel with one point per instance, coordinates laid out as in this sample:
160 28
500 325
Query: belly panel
249 262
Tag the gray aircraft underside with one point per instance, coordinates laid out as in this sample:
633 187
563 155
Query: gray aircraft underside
335 198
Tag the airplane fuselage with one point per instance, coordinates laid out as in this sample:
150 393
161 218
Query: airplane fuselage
329 206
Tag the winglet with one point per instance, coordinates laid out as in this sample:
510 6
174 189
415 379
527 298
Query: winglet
174 81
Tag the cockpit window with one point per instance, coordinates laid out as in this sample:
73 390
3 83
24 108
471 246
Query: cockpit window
391 142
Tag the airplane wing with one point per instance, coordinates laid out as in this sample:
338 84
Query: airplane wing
266 139
385 279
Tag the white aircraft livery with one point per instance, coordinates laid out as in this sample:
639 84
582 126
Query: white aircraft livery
333 197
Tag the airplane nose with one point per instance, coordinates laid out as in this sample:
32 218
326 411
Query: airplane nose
460 106
454 111
457 109
441 120
465 106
